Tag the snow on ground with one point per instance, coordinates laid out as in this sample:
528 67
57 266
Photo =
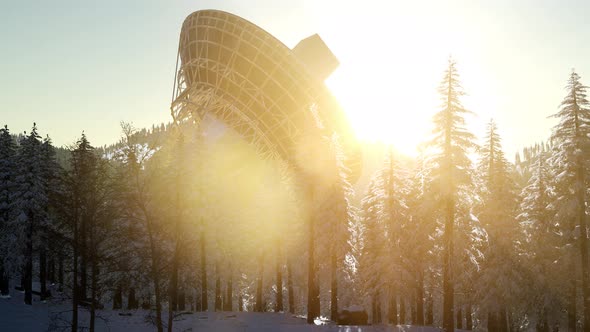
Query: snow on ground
54 316
16 316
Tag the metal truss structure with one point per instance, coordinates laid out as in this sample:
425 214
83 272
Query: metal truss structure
235 71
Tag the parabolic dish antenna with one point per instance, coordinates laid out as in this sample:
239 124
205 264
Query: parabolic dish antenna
271 95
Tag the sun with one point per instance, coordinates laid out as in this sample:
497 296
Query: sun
381 111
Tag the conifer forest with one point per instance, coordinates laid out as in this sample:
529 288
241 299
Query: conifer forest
246 211
457 237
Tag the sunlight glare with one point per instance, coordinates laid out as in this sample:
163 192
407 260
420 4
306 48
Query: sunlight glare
377 115
387 86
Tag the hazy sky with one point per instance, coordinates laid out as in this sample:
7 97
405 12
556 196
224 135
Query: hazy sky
81 65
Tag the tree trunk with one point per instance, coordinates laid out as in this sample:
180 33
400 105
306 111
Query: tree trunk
448 287
173 287
43 273
93 292
259 283
584 250
228 305
502 321
29 265
290 291
4 281
312 296
83 262
132 302
240 302
334 287
420 300
491 321
51 271
279 268
376 309
460 319
392 314
118 298
155 271
181 299
414 315
468 318
542 324
571 312
316 291
60 271
158 297
430 310
218 299
580 190
173 292
75 274
402 310
145 302
204 298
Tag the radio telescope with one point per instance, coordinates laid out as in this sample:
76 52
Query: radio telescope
274 97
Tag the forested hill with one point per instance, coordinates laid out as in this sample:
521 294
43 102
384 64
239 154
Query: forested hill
153 137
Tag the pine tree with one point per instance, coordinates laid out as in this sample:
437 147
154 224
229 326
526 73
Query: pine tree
51 174
497 214
571 144
30 201
93 182
420 249
450 173
335 213
540 240
178 168
372 258
395 217
138 176
7 189
79 186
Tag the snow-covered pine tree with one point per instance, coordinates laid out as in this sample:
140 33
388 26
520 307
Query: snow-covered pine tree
51 174
7 189
498 283
79 189
314 173
176 196
539 246
450 172
395 217
335 213
294 237
384 262
571 144
371 258
138 175
419 245
91 187
30 202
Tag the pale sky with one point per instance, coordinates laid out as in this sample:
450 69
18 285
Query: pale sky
80 65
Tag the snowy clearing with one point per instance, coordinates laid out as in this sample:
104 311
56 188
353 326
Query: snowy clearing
16 316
